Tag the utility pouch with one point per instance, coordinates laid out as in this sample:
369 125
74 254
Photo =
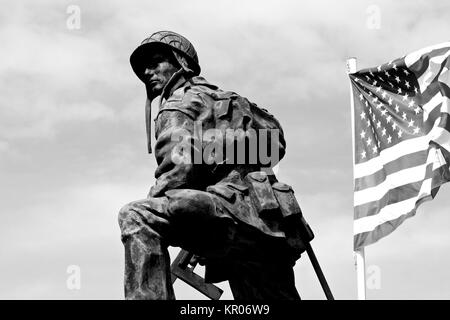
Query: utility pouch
262 195
306 232
286 199
223 191
292 214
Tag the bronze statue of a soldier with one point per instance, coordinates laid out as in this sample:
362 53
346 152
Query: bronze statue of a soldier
215 193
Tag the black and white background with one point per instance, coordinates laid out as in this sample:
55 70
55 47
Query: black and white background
73 148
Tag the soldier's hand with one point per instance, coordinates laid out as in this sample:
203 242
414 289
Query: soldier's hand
197 259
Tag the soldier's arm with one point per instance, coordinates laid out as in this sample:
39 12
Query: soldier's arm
174 149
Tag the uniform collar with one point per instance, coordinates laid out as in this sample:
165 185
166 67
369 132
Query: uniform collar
200 81
178 80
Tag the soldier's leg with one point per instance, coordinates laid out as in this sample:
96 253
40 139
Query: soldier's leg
147 261
185 218
197 224
261 268
253 281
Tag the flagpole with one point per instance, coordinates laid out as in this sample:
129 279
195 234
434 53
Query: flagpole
359 255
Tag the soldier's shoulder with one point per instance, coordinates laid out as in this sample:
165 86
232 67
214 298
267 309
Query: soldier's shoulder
207 90
217 101
194 91
198 96
198 86
194 98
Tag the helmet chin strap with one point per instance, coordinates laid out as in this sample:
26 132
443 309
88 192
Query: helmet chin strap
177 77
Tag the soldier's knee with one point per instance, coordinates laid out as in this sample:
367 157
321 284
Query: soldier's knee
126 213
133 223
185 202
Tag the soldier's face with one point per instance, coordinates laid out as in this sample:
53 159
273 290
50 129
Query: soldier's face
158 72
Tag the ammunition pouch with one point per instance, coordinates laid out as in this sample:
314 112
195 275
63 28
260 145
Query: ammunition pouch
295 226
223 191
262 195
286 199
274 203
277 201
293 220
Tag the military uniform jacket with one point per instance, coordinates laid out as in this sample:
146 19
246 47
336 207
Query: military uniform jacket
188 155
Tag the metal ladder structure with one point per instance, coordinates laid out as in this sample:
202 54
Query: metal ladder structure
183 268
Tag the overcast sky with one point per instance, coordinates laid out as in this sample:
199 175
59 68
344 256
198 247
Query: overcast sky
73 148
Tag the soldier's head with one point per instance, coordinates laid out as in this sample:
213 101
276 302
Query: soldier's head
160 67
162 55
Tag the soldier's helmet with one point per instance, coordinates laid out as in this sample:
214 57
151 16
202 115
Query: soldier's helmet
182 49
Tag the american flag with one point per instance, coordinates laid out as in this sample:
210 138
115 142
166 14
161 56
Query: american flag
402 139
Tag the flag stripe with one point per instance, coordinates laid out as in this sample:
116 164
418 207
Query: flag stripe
439 172
401 177
394 180
445 121
397 179
442 137
407 161
370 237
420 66
413 57
391 212
431 105
444 76
434 118
434 69
433 89
403 148
395 195
440 176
